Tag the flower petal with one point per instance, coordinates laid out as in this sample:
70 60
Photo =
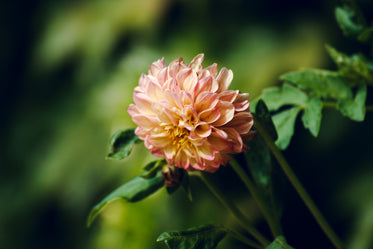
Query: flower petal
206 100
202 129
241 122
155 67
196 63
226 113
209 115
224 79
187 79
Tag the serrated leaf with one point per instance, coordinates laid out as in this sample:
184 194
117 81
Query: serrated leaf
349 21
201 237
262 114
354 108
320 83
355 67
135 190
276 97
279 243
122 143
284 123
312 116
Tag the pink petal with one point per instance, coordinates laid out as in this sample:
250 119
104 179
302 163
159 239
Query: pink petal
228 95
143 103
224 79
154 91
202 129
163 76
206 100
175 66
187 79
213 69
155 67
217 141
226 113
209 116
196 63
242 102
144 121
235 141
203 85
241 122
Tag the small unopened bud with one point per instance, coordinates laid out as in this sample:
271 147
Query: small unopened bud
172 175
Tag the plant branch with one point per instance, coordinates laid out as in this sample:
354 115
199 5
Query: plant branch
368 108
243 239
299 187
241 218
274 226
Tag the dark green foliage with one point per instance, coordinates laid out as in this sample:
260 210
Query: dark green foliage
122 143
320 83
151 169
279 243
276 97
311 117
201 237
258 158
354 68
132 191
354 108
349 21
284 122
262 114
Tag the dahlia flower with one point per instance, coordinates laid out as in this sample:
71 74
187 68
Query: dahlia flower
186 114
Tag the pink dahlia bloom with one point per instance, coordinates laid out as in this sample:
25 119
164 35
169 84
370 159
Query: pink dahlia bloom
187 115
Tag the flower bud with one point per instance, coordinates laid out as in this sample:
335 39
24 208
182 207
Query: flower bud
172 175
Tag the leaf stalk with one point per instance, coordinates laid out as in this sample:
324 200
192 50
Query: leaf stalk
299 187
241 218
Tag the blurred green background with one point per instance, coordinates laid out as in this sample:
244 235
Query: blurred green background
68 69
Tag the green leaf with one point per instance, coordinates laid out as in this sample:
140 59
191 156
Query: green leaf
258 159
312 116
350 22
122 143
284 123
151 169
366 35
320 83
259 162
279 243
355 67
135 190
186 186
201 237
262 114
354 108
276 97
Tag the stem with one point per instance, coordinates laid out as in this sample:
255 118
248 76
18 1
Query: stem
241 218
368 108
275 228
299 187
243 239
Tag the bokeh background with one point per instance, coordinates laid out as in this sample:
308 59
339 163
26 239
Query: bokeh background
68 69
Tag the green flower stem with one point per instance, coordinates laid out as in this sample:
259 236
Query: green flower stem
243 239
273 224
241 218
299 187
368 108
